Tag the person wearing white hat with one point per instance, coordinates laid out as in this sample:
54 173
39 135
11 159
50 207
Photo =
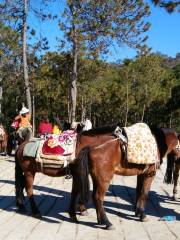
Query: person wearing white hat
24 110
24 118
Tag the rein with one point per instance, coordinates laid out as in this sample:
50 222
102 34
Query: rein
104 144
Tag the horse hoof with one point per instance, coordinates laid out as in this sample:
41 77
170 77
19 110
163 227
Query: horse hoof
37 215
21 210
175 198
84 213
74 219
137 214
144 218
110 227
20 207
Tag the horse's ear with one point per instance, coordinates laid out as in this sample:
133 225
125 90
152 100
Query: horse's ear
79 128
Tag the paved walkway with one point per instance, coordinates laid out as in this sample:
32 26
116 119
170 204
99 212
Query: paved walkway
52 196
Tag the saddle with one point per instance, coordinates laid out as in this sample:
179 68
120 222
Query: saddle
58 150
55 152
138 144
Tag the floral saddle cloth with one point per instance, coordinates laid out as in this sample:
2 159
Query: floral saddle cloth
142 146
55 152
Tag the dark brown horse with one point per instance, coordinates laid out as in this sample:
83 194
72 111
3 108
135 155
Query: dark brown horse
26 168
105 157
3 140
102 158
172 172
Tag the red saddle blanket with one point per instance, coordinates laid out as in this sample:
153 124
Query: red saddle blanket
59 144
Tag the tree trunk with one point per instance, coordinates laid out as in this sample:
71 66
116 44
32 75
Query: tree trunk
127 102
144 106
25 67
73 86
33 117
1 89
170 120
1 92
83 110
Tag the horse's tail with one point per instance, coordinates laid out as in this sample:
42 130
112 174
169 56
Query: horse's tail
168 178
83 174
19 181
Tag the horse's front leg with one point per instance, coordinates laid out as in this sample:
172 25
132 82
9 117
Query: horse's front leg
175 178
29 179
99 191
142 190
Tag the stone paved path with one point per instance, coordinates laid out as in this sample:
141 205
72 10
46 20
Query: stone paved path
52 196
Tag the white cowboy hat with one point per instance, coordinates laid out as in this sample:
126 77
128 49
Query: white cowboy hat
24 110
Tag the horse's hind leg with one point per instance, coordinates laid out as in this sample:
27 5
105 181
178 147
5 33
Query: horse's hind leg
73 200
175 178
142 190
29 177
75 195
99 190
140 179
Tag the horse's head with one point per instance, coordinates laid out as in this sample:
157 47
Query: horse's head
176 150
174 145
77 126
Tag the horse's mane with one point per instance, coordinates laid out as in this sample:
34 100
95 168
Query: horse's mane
99 131
160 139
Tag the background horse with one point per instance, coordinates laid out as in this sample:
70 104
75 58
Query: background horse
25 170
102 158
172 172
3 140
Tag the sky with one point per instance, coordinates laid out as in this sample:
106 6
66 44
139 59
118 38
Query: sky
164 33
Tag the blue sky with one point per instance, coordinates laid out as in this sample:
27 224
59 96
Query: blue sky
164 34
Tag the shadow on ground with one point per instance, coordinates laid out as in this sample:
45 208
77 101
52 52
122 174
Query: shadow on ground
53 203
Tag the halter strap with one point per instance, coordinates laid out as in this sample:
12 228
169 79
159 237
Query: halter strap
118 133
178 145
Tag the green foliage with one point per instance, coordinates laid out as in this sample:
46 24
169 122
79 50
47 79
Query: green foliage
96 24
145 88
170 6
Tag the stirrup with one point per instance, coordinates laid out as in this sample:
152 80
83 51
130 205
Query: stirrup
68 176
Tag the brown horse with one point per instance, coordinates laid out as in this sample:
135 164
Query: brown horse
26 168
172 172
3 140
103 157
105 152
